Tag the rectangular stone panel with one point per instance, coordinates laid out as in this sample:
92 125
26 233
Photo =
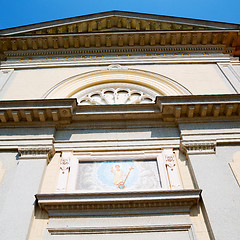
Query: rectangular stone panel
118 176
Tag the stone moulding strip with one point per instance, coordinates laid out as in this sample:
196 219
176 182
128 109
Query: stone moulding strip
111 50
107 203
166 109
71 61
120 229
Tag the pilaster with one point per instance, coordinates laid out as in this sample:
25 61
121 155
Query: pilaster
231 75
64 170
5 74
20 201
2 172
210 170
235 166
170 176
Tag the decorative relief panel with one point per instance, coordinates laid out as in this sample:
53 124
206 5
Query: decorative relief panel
158 172
116 93
171 169
64 171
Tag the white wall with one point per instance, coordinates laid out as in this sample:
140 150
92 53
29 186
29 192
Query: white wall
34 83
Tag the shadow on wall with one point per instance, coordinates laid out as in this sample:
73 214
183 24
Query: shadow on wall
112 133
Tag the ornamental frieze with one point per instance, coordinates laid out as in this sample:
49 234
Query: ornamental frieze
103 55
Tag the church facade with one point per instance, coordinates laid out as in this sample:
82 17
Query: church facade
120 125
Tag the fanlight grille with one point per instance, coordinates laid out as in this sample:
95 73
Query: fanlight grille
116 96
115 93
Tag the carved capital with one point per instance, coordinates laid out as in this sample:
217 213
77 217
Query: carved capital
203 147
36 152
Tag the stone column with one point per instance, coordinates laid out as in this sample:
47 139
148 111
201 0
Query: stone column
18 208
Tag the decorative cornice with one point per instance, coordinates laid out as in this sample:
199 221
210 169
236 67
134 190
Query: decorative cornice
203 147
113 20
41 111
117 41
166 108
36 152
72 204
109 24
116 29
181 108
96 53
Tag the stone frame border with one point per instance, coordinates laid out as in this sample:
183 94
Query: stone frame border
123 229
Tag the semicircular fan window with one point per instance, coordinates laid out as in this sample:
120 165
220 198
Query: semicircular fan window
116 93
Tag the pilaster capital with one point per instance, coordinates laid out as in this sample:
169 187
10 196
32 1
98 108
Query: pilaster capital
198 147
36 152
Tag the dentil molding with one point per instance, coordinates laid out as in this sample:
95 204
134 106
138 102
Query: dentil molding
36 152
201 147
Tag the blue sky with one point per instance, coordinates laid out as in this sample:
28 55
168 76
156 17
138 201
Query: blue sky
23 12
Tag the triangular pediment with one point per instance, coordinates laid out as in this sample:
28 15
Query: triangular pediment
116 21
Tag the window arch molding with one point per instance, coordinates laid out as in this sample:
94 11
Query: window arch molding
158 83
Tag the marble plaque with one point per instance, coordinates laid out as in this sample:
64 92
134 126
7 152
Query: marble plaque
118 176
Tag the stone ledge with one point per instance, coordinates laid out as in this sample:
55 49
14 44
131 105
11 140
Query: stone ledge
119 229
41 111
166 108
74 204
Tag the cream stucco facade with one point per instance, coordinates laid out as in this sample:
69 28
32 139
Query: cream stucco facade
120 125
198 78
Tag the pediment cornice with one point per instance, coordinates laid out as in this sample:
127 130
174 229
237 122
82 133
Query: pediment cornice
118 42
116 30
115 21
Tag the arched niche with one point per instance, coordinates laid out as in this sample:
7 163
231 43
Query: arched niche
151 82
